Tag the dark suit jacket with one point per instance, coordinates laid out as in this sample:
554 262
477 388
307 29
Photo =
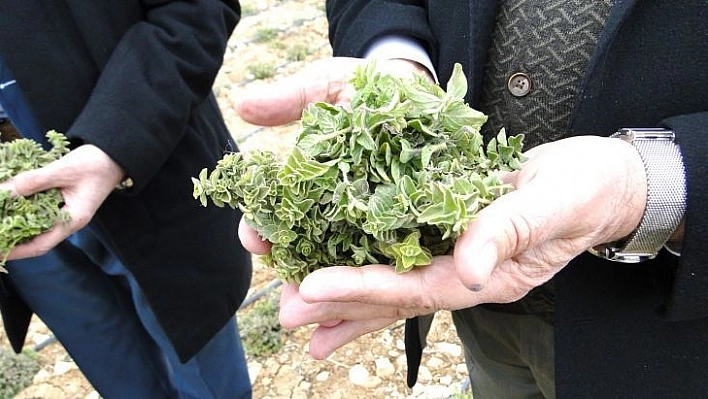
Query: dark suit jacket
134 78
621 330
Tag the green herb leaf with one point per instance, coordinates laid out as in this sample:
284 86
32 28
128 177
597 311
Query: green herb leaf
394 179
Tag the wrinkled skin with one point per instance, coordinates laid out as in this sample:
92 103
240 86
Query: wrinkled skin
570 195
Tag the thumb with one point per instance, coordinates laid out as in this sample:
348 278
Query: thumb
476 256
275 104
501 231
282 102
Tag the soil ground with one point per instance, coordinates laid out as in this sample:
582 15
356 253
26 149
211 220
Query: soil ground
276 38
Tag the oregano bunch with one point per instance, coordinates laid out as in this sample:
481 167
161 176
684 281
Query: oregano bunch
26 217
395 178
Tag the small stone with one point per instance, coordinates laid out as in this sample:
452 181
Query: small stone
322 377
445 380
61 367
41 376
424 374
359 375
386 338
418 391
384 367
93 395
254 370
434 363
435 391
451 349
461 368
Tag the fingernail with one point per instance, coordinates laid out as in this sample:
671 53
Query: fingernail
482 265
476 287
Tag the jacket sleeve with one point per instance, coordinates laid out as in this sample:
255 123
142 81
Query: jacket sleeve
355 24
450 31
161 68
689 298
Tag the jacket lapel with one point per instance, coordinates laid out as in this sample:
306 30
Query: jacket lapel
618 14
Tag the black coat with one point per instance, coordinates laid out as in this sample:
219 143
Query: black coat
134 78
621 330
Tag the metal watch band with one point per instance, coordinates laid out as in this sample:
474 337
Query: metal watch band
666 196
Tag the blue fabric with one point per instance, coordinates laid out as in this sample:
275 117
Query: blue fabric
15 106
94 306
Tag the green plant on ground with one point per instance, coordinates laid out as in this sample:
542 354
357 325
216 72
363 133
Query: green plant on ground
262 70
16 371
264 35
248 10
297 52
260 329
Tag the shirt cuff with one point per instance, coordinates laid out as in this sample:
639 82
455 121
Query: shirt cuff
400 47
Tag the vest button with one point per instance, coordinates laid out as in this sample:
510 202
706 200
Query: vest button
519 84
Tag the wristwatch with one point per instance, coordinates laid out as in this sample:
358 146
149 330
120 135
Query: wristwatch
666 196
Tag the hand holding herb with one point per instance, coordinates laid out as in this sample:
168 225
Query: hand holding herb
395 178
26 217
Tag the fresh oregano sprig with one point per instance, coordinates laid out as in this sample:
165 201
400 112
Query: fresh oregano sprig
23 218
393 179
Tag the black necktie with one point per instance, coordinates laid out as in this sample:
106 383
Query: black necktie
415 335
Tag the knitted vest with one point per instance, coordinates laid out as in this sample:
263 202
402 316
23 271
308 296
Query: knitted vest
539 54
549 44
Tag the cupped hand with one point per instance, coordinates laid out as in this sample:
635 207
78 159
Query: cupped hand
85 177
348 302
570 195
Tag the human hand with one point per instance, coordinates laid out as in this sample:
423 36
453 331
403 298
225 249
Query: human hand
348 302
570 195
324 80
85 177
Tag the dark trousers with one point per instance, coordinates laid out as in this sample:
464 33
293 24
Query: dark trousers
96 309
508 355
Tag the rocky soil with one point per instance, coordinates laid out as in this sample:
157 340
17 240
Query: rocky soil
274 39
